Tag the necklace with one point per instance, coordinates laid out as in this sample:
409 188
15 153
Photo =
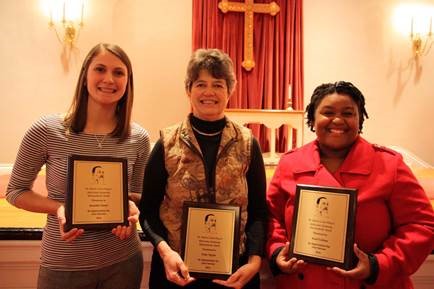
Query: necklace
100 142
204 133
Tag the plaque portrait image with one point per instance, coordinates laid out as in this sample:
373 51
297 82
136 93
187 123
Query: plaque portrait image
323 225
98 175
322 207
210 222
210 238
97 196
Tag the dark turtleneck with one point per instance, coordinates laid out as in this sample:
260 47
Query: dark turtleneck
207 126
209 146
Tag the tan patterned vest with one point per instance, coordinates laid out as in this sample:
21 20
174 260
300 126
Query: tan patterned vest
187 178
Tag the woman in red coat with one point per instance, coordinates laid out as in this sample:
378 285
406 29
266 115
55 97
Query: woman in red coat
394 219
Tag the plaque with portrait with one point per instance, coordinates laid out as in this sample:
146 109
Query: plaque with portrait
97 192
210 239
323 225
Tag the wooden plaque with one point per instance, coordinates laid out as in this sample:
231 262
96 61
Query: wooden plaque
97 193
210 239
323 225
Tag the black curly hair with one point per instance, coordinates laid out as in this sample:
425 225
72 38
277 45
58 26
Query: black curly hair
339 87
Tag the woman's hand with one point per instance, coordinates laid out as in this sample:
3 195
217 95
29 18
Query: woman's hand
176 270
361 271
72 234
135 197
123 232
287 265
243 275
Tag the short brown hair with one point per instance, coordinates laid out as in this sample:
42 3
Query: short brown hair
216 62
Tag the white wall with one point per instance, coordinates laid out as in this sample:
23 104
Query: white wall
355 40
344 40
155 34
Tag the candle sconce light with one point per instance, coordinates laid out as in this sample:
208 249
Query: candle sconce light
421 38
414 20
66 19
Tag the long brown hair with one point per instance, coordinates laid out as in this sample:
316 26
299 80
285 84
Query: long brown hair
76 117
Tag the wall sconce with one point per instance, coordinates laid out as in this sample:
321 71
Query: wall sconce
421 43
66 19
414 20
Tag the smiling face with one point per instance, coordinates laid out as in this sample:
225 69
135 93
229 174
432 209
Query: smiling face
107 79
336 122
208 96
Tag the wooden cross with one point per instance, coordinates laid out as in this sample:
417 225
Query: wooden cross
249 7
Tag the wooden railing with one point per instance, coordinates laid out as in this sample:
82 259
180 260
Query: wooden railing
272 119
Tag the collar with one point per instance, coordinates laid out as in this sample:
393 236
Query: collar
359 160
229 134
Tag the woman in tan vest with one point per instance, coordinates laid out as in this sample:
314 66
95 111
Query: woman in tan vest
208 159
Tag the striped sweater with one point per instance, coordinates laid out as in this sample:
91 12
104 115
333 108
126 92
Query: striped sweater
48 142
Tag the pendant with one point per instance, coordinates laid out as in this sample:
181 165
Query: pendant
99 143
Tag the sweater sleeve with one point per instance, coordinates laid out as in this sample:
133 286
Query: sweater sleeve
143 148
30 158
154 185
257 207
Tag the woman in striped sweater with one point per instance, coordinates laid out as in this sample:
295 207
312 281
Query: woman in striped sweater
98 124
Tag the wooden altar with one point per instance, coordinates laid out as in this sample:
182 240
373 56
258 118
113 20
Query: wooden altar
272 119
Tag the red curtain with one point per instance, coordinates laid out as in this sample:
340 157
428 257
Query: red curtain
278 54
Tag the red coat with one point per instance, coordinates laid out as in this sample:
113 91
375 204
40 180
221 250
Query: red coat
394 219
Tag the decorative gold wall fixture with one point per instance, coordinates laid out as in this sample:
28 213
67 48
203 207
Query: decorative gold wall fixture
414 20
66 19
421 43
